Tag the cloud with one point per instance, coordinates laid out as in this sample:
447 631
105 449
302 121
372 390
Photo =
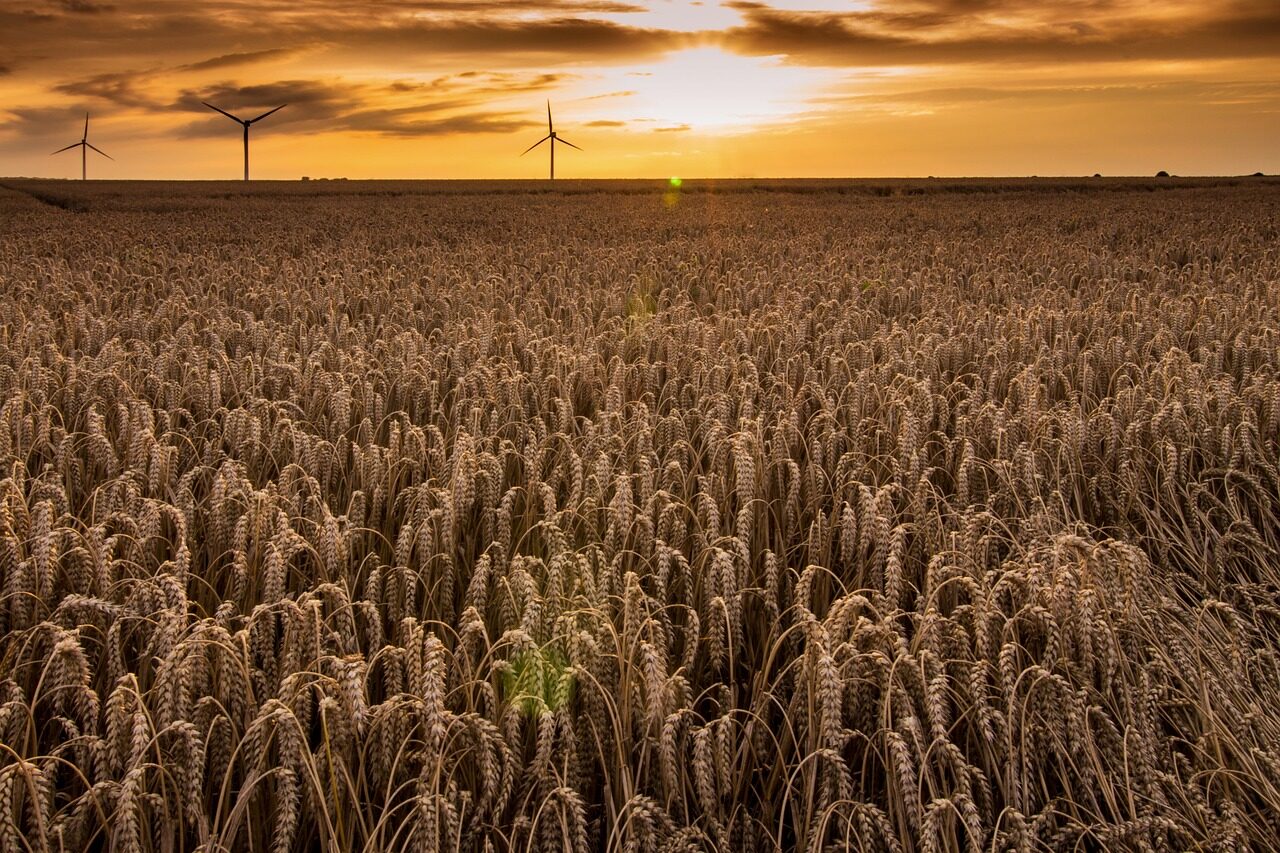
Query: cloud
1002 31
232 60
1203 93
1024 110
489 6
445 105
307 100
44 123
398 123
84 7
576 38
487 83
675 128
606 123
441 108
415 8
405 32
119 87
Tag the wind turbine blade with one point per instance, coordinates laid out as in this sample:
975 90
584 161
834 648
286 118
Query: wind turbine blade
550 129
566 142
100 151
221 110
267 113
68 148
535 145
86 128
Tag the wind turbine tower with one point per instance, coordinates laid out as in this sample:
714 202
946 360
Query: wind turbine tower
553 137
244 123
84 145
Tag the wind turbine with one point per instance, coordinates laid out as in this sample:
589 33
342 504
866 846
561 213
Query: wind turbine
551 135
84 145
245 123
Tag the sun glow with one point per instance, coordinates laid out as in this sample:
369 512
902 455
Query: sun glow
709 89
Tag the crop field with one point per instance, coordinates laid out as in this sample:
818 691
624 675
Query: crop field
899 516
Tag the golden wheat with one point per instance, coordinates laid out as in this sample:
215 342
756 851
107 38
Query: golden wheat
768 517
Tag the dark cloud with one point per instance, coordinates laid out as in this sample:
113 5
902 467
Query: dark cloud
404 123
44 123
408 32
448 104
965 31
534 6
675 128
415 8
606 123
320 107
232 60
412 32
415 32
915 32
121 88
40 120
487 83
559 38
309 101
84 7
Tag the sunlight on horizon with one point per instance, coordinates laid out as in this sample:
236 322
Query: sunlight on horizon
733 93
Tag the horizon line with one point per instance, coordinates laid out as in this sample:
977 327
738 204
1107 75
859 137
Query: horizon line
668 178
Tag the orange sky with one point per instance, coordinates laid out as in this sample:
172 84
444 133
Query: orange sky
457 88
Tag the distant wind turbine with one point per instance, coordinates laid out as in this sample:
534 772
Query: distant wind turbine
551 135
245 123
84 145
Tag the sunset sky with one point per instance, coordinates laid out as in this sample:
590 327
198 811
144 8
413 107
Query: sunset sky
457 88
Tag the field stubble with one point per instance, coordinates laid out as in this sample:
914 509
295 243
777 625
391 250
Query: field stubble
377 518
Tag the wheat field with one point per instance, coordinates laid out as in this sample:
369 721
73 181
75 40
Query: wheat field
901 517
